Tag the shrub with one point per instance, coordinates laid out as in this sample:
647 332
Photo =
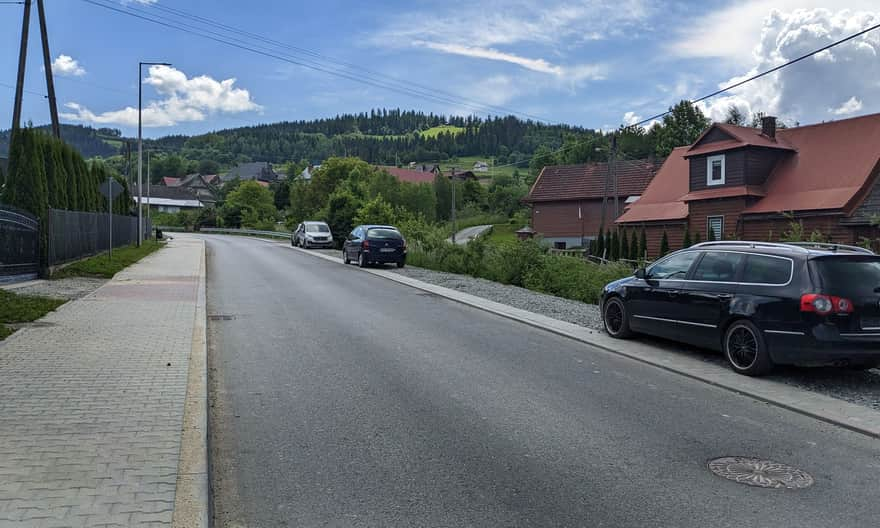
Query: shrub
509 263
573 278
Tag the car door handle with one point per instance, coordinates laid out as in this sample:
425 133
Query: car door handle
724 296
672 293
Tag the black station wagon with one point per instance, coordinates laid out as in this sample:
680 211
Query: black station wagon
760 303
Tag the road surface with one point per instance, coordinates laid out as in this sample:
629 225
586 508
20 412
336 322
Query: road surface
339 398
469 233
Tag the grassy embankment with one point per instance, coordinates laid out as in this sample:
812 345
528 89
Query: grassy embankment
103 266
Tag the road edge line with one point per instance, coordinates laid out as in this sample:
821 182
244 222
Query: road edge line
191 499
827 409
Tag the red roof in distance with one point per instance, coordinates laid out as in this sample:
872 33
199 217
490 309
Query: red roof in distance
408 175
587 181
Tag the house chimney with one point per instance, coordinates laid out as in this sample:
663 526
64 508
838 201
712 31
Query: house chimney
768 126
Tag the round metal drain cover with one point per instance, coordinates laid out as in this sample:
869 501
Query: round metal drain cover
760 473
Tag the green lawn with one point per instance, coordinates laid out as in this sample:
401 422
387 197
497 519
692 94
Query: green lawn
467 163
16 308
502 233
442 129
102 266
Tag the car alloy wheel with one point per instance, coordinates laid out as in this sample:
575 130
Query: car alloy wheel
362 260
745 350
615 318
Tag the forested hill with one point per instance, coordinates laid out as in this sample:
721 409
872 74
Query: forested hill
90 142
379 136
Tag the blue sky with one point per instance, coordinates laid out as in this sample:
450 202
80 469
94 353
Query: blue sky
595 63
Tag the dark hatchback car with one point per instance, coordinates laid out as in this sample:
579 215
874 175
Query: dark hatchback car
375 244
761 304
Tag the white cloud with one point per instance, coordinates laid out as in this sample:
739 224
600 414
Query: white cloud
580 72
630 118
184 99
811 90
732 32
65 66
851 106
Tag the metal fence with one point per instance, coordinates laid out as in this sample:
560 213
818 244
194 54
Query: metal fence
19 244
76 234
229 231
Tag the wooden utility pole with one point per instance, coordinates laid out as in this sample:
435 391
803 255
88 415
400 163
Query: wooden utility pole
22 60
47 65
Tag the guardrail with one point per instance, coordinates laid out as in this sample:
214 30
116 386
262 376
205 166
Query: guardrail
231 231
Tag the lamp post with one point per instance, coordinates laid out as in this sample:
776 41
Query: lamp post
141 147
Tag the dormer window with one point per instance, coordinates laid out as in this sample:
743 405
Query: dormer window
715 170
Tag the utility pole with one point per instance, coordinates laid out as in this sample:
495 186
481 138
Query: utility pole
149 185
452 180
47 66
22 60
614 173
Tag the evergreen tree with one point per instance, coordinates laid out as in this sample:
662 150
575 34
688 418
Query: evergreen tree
608 244
615 246
600 243
26 184
67 155
624 245
664 244
687 237
56 177
634 253
643 244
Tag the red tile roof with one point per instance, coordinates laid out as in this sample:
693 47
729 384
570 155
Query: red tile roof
831 168
408 175
742 137
724 192
833 164
587 181
660 201
168 181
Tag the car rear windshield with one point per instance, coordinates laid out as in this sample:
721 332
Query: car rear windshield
384 233
317 228
849 276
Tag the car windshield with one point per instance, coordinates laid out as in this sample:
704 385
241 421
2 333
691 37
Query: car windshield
848 276
384 233
317 228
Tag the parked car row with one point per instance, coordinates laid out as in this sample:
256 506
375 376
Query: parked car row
366 244
761 304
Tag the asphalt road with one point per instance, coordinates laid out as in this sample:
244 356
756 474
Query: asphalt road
469 233
339 398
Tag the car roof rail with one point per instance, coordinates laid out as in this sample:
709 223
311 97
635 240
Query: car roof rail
832 247
748 243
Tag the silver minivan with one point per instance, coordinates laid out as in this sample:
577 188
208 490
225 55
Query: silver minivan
312 234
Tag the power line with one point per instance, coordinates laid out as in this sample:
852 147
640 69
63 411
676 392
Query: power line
12 86
713 94
307 63
327 58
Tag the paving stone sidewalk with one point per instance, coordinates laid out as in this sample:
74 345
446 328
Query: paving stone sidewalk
91 405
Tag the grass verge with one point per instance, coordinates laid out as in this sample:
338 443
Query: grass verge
16 308
501 233
102 266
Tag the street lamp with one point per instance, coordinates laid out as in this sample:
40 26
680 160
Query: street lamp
140 146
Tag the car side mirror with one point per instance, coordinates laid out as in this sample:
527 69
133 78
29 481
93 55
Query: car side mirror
641 273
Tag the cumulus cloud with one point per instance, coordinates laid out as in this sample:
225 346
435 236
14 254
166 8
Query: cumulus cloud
183 99
838 82
851 106
66 66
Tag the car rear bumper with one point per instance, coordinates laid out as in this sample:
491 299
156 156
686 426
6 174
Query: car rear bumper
376 256
822 346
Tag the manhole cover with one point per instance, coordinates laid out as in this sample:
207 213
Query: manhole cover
221 317
760 473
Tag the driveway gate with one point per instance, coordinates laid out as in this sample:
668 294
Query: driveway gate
19 244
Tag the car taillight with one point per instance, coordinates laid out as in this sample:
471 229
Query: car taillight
404 244
825 304
365 244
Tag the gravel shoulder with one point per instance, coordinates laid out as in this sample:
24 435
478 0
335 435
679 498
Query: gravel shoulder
69 288
862 388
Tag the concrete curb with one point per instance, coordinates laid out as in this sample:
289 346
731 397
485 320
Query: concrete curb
191 499
825 408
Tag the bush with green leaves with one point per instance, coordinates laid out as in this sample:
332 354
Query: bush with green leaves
573 278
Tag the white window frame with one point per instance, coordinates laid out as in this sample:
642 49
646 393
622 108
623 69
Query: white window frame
709 161
720 234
